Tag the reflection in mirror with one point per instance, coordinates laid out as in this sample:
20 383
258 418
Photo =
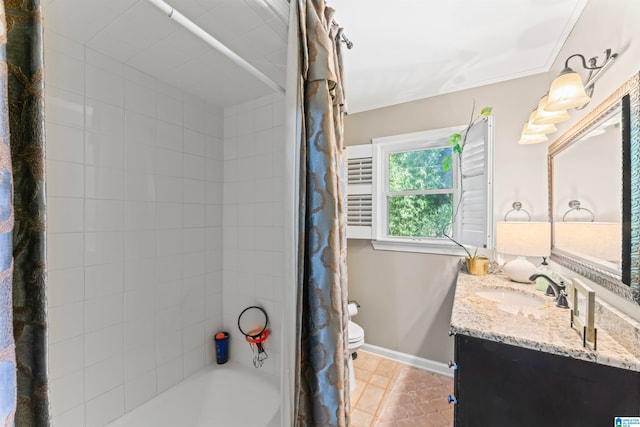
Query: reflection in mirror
599 242
591 199
590 171
587 184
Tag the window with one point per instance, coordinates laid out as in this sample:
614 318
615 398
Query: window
417 194
415 201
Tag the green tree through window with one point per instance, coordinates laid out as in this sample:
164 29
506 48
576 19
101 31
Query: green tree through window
420 200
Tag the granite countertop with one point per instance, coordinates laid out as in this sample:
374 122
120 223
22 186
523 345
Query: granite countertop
546 328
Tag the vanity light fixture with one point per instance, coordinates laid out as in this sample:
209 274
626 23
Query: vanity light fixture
530 136
544 117
567 91
532 139
534 129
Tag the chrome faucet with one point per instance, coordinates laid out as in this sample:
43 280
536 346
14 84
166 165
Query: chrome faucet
556 289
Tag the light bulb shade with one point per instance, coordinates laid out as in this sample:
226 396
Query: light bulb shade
531 129
524 238
532 139
544 117
567 91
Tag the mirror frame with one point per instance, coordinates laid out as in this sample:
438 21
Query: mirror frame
627 284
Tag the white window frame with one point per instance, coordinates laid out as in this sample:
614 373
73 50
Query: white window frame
382 148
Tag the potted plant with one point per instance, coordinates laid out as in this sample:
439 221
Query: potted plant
476 264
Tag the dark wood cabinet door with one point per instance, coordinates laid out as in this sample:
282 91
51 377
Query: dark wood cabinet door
499 385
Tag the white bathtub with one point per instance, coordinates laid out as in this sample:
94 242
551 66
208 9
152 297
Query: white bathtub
224 396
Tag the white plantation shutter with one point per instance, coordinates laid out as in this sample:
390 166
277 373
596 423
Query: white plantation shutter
359 212
477 186
359 191
359 169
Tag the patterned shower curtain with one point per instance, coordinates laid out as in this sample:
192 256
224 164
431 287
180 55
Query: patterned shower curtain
23 112
7 348
322 380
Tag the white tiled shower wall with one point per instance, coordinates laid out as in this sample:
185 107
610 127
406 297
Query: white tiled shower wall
253 211
135 193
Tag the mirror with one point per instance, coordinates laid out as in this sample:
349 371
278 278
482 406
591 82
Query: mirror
591 200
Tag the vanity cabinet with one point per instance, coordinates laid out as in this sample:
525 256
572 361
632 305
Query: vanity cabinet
497 385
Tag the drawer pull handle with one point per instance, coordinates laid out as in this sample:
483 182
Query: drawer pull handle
452 399
453 365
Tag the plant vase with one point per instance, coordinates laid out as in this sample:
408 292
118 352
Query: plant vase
477 266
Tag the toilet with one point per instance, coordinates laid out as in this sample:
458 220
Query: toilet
355 334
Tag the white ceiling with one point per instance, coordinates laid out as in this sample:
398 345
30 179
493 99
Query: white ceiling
403 49
411 49
137 33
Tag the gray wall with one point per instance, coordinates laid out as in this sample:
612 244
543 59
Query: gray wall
406 298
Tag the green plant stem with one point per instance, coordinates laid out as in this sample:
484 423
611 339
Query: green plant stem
461 245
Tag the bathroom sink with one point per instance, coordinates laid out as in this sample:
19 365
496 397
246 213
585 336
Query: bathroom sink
511 298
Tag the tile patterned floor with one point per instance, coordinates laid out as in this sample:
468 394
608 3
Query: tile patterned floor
389 393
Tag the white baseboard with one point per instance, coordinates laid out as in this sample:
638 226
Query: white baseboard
418 362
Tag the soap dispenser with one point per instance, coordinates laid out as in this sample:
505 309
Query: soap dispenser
541 283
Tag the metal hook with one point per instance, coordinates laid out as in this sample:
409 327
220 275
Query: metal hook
517 207
574 205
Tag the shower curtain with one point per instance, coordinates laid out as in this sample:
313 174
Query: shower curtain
322 380
7 348
23 370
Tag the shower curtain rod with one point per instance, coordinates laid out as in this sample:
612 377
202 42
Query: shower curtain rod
346 41
343 38
213 42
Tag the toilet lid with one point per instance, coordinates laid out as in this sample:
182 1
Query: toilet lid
355 332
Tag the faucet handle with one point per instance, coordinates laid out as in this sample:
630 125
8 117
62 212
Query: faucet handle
562 296
562 301
550 292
